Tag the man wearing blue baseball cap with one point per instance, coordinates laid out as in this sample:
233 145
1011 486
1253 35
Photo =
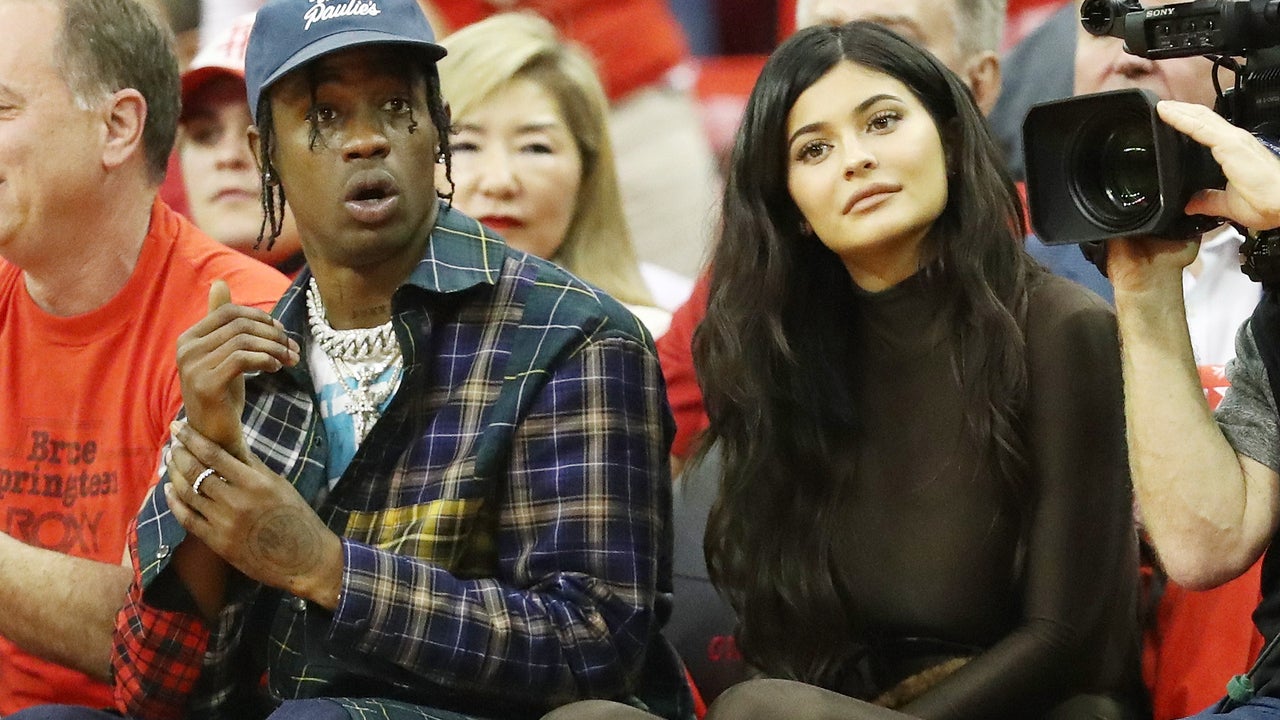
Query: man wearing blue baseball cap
433 483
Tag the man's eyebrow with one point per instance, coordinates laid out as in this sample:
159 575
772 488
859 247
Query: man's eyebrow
324 74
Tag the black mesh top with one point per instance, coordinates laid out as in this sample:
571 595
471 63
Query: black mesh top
934 548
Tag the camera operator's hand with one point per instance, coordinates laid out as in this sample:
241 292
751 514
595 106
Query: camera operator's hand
1252 195
1140 264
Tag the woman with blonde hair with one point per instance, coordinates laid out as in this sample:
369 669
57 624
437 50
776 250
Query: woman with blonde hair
532 157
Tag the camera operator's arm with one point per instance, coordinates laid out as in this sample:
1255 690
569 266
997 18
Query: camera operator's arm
1210 510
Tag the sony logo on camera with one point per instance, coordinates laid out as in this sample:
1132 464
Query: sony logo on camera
1160 12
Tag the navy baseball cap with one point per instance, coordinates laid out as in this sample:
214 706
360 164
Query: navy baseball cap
291 33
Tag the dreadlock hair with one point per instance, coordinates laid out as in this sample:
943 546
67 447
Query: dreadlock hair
272 194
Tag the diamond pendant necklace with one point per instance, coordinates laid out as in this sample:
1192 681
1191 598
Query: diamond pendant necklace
360 356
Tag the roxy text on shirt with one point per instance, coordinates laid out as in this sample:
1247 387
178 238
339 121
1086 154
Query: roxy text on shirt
62 469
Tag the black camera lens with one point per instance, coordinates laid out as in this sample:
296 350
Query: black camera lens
1115 180
1104 165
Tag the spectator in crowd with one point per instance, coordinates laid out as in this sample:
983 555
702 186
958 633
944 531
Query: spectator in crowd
932 419
964 34
223 184
1207 484
532 157
665 165
449 495
97 280
1034 73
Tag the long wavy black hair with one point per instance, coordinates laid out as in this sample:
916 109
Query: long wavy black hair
774 364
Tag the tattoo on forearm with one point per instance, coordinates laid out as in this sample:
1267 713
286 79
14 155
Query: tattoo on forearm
286 541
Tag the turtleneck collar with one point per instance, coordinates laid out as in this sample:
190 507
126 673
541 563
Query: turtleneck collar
905 320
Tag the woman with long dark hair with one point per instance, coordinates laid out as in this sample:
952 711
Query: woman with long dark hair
917 431
924 497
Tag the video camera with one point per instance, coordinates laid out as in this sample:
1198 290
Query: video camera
1104 165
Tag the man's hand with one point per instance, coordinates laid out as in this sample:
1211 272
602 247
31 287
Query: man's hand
1252 194
213 356
253 518
1140 264
1251 198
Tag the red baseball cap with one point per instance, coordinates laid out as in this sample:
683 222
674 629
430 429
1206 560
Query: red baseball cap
223 57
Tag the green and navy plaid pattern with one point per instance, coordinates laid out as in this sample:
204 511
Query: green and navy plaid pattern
505 524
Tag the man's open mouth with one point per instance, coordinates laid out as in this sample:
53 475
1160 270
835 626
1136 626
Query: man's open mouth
371 201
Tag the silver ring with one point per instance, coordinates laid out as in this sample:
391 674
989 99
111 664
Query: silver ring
204 475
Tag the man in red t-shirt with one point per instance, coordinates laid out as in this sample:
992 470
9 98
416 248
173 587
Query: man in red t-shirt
97 280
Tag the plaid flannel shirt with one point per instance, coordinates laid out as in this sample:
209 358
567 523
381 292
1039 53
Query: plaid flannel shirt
505 524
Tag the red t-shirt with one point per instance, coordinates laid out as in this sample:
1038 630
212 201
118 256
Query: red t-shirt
173 191
87 405
635 42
